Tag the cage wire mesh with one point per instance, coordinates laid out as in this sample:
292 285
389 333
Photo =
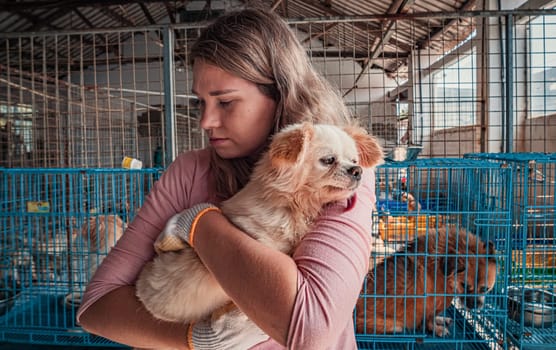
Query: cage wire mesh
532 273
86 100
428 85
436 85
417 201
57 226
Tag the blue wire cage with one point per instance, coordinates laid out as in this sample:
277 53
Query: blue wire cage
50 217
415 200
532 255
56 226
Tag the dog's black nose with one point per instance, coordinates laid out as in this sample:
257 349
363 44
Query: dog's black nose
355 172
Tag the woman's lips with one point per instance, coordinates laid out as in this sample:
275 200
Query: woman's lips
214 141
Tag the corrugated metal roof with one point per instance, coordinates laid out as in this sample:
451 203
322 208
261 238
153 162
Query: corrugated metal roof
385 42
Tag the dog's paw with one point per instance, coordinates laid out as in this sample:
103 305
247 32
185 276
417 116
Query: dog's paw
443 321
439 325
441 331
168 241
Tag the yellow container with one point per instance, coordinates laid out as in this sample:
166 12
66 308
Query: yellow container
403 228
131 163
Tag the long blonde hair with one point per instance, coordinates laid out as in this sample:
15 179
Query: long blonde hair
259 46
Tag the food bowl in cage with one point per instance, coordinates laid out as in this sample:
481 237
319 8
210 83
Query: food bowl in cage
538 306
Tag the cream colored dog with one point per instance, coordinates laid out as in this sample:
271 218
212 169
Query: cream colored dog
306 167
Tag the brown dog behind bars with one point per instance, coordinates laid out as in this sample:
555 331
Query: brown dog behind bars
409 289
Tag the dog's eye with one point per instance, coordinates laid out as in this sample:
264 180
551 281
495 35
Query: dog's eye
483 290
328 160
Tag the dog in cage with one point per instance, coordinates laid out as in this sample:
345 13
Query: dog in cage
301 173
102 232
99 234
90 244
410 289
412 203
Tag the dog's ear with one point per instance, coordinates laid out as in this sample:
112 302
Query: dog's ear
454 264
449 265
287 146
490 248
370 152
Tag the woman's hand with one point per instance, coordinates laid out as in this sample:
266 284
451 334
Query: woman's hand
227 328
180 229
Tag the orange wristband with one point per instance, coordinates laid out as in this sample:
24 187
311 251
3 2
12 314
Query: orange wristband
196 220
190 336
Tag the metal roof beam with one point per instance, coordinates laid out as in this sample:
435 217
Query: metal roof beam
13 6
435 34
170 13
147 13
90 24
118 17
399 6
34 20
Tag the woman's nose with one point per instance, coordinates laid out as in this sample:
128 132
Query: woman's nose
209 118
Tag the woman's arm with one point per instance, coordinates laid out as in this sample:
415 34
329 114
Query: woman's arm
110 307
305 301
261 281
121 317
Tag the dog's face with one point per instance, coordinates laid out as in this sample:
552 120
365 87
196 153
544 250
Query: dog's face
332 158
479 276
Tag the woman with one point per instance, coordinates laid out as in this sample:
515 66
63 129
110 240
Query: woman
252 77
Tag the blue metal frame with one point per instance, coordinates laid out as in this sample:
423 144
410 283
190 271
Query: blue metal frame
532 255
471 194
45 264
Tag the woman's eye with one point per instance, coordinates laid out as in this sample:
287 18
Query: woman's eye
225 103
195 103
328 160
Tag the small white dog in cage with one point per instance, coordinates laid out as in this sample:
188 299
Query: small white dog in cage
306 167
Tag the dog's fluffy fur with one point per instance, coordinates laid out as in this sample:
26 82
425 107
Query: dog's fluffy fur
306 167
102 232
409 289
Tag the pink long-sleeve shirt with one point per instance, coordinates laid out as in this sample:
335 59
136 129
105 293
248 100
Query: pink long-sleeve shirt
332 259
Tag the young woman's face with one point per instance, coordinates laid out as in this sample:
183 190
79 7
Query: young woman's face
236 116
